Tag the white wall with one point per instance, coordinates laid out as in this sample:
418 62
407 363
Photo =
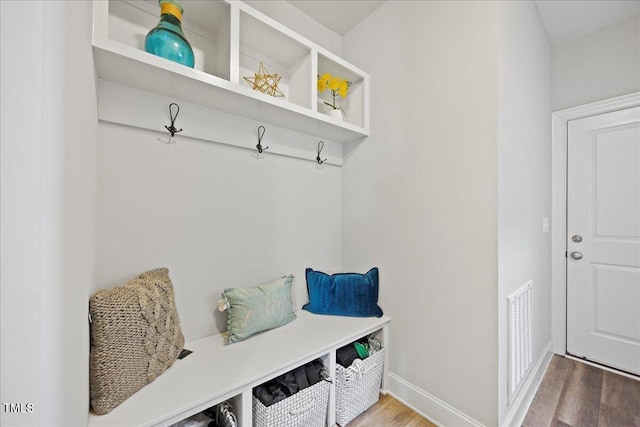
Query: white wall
600 65
73 96
48 209
524 174
420 199
22 31
214 215
247 220
295 19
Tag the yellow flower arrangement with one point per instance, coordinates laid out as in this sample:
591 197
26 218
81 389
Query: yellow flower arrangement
336 85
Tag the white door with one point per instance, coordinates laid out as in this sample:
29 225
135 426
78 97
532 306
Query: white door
603 239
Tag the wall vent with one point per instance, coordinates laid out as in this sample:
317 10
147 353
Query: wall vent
520 336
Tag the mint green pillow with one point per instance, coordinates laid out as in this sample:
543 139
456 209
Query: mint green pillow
252 310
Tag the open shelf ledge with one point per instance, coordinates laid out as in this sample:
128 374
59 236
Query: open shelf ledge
228 38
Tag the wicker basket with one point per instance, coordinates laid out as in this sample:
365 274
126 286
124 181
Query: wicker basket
306 408
358 387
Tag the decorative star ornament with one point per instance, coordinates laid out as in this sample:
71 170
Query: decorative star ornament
265 82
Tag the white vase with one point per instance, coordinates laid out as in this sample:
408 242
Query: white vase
335 113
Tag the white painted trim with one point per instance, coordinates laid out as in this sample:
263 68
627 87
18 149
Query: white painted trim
527 390
440 413
234 35
132 107
559 205
386 339
100 22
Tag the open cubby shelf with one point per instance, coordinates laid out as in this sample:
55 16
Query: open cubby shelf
214 372
230 40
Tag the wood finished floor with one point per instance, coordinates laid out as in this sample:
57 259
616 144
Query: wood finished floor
388 412
571 394
578 395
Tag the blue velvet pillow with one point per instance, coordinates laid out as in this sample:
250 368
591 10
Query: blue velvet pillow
343 294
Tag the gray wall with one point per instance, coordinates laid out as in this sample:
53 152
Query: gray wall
442 195
48 209
420 198
214 215
21 179
295 19
524 171
600 65
448 193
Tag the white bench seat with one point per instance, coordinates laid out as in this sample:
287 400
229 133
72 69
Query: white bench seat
214 372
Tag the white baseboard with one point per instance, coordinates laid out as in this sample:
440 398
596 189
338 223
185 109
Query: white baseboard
519 407
439 412
443 414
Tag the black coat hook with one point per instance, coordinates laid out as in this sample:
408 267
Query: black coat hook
172 129
320 147
260 135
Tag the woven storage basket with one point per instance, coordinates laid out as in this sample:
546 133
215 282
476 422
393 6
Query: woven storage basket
306 408
358 387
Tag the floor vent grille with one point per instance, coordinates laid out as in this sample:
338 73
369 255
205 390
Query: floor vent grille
520 336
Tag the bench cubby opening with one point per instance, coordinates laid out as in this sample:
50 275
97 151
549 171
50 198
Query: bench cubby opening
214 372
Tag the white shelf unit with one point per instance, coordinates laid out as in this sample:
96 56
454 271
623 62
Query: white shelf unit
229 39
281 53
214 372
355 105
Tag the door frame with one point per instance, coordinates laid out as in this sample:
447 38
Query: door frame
559 141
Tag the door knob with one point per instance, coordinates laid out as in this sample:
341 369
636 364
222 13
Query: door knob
576 238
576 255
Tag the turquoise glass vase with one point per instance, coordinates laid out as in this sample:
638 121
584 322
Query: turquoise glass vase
167 39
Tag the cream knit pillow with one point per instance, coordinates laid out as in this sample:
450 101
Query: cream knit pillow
135 337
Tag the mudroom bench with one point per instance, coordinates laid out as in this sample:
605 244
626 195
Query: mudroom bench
214 373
